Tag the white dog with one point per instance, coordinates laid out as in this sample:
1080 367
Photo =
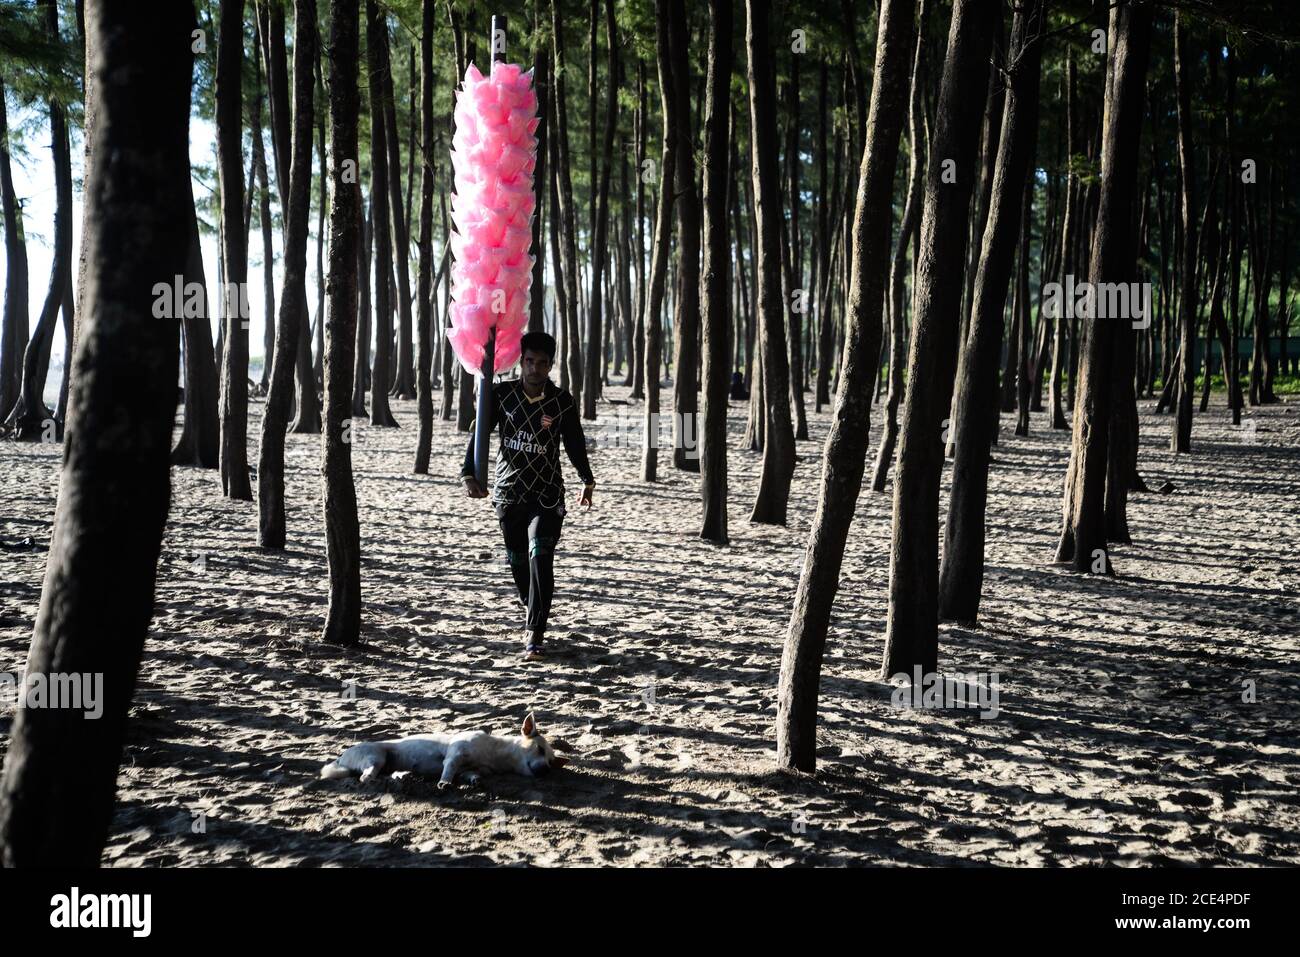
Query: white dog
446 755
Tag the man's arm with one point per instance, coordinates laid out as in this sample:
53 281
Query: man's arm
467 469
575 444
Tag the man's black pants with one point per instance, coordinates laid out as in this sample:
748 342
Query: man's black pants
531 530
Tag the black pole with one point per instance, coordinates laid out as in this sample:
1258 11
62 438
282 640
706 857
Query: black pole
483 415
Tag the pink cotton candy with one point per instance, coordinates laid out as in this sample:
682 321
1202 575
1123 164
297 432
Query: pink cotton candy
494 152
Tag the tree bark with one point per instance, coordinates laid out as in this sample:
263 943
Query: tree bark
790 251
659 249
918 137
403 386
424 283
1182 433
1083 535
268 246
293 296
778 446
686 326
13 339
961 574
911 636
377 62
569 250
234 253
200 440
600 228
846 448
715 278
56 799
342 532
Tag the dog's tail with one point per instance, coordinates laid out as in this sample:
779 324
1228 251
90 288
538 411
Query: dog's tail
333 771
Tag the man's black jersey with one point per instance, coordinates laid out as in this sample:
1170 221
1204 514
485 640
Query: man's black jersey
528 459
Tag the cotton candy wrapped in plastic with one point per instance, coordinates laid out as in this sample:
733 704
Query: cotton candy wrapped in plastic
494 151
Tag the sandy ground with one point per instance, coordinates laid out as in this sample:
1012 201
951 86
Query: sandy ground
1122 738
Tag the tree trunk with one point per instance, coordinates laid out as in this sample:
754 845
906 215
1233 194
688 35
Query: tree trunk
569 250
1183 62
56 800
542 86
424 282
377 61
1022 340
911 637
200 440
13 340
1083 535
846 448
318 368
1067 243
638 337
961 575
361 361
790 252
293 295
600 228
234 253
918 137
403 385
715 280
342 533
268 246
659 249
686 328
778 446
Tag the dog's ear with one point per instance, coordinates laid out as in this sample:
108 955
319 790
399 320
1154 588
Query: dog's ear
530 726
558 762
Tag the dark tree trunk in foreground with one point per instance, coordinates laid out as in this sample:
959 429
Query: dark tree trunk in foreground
715 280
293 297
1184 62
778 441
200 439
600 242
918 134
846 449
659 249
961 575
30 420
342 533
57 796
377 62
1083 534
15 329
912 635
424 284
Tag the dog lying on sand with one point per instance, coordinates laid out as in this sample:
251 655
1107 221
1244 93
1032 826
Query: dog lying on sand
444 756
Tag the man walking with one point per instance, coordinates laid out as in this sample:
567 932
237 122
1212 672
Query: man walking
528 491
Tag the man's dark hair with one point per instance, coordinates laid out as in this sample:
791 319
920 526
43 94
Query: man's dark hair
537 342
